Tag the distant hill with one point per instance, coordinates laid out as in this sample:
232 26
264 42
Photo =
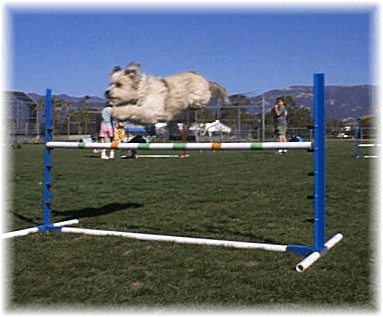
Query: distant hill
342 102
95 103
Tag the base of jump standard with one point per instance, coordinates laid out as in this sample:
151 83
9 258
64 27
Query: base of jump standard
301 266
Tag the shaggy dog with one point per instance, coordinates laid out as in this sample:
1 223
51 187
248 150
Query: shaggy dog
146 99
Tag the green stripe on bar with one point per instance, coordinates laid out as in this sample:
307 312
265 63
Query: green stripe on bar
256 146
143 146
81 145
179 146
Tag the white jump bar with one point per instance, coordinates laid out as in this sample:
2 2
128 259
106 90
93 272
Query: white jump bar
185 146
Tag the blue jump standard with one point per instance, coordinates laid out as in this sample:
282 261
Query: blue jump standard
48 163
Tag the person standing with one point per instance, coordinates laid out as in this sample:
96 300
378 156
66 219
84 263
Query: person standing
280 121
106 130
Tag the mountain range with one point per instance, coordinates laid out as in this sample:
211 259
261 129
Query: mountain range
342 102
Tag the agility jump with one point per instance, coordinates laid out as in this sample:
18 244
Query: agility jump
320 246
358 145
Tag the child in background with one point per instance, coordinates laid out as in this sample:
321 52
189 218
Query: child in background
106 130
119 135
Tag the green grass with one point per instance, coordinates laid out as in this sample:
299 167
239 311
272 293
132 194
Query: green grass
242 196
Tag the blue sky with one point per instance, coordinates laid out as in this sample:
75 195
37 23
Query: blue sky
73 51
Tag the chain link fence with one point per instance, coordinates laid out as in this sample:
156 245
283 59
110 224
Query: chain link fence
199 129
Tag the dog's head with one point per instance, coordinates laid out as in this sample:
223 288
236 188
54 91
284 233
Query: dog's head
121 89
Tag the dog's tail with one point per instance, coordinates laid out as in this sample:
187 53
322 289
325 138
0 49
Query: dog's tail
219 91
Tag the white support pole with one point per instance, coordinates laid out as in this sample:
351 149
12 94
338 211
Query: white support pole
303 265
66 223
24 232
175 239
19 233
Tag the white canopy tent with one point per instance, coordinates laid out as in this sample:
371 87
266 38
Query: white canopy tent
216 127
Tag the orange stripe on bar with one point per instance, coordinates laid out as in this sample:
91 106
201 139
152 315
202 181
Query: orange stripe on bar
114 145
216 146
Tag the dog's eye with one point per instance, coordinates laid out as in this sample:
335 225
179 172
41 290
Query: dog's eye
118 85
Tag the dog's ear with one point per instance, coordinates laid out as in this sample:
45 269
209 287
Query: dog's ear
116 69
133 66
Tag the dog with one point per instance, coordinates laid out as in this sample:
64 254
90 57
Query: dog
134 153
147 99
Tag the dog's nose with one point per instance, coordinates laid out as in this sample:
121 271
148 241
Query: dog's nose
107 94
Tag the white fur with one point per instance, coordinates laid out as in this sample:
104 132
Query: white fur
152 99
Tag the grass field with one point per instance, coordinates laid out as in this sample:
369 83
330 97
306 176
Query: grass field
241 195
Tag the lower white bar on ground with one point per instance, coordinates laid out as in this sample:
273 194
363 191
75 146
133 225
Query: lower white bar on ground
175 239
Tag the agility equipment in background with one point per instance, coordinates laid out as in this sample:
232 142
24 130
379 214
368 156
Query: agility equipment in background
358 145
320 246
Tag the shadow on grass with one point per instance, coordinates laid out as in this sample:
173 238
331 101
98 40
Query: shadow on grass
95 212
248 236
33 220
